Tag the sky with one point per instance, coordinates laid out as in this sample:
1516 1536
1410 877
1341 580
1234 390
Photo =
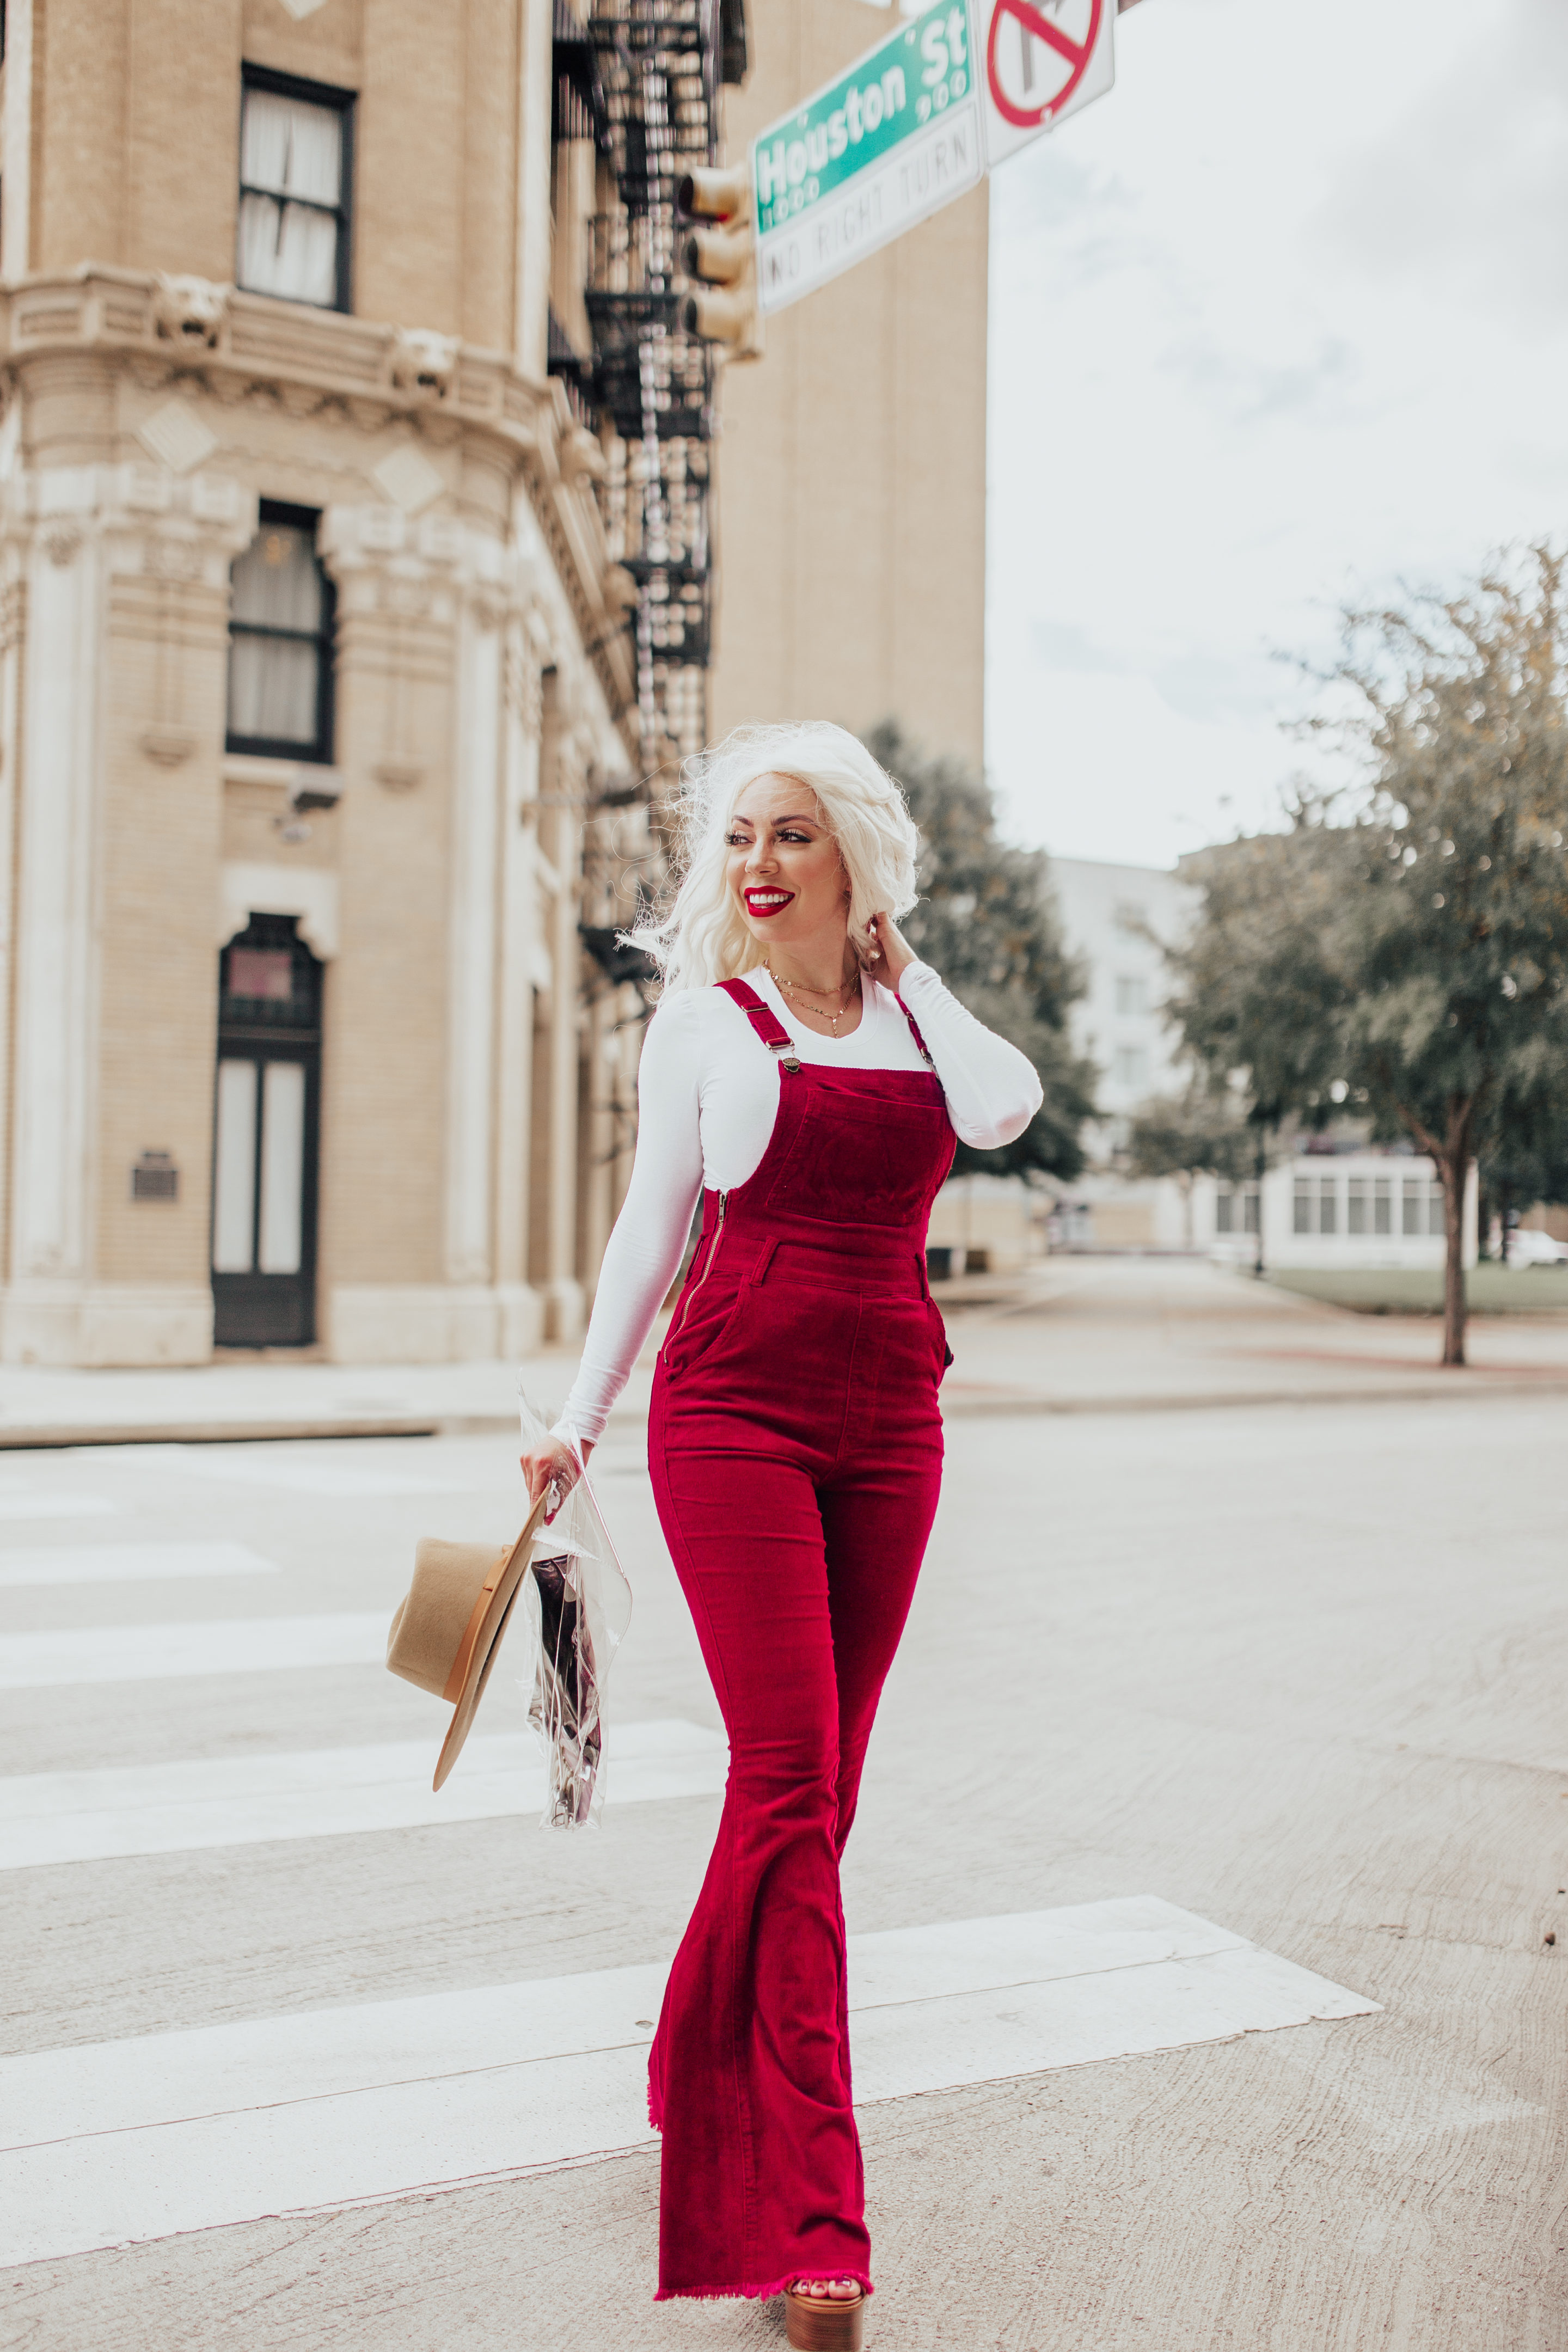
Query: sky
1281 321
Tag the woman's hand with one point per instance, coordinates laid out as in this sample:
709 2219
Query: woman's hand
552 1463
883 950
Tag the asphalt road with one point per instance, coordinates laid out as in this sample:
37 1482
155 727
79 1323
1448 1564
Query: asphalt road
1297 1671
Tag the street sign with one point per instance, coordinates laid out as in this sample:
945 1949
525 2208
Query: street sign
951 92
1042 59
886 145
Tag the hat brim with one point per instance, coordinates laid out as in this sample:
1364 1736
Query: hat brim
488 1646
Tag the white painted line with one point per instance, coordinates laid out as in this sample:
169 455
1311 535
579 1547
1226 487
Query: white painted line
62 1817
119 2142
23 1502
264 1464
243 1645
129 1563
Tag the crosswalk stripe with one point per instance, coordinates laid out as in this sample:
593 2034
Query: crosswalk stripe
241 1645
129 1563
298 1472
23 1502
64 1817
119 2142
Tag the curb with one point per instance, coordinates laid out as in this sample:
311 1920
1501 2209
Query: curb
52 1437
958 1408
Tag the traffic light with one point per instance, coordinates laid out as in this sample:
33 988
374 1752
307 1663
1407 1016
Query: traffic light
717 251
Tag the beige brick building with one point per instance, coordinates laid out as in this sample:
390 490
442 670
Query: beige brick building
358 561
315 660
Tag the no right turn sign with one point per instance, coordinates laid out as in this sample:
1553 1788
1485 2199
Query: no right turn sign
944 97
1042 60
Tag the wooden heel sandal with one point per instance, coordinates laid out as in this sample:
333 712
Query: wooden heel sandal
822 2323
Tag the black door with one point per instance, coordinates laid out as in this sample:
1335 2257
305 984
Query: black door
266 1144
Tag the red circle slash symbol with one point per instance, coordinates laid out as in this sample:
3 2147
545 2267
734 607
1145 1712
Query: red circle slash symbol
1031 23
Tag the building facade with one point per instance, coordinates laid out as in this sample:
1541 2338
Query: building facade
1332 1208
1116 920
343 626
1335 1203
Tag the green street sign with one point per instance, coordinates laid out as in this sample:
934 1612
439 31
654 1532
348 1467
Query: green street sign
890 141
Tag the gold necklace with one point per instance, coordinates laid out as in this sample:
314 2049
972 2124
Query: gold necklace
799 988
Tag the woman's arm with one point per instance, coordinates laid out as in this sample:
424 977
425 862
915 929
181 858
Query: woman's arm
993 1090
644 1251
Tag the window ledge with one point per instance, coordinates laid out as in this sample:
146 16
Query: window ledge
284 775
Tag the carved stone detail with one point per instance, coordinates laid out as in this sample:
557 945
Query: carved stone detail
581 456
524 687
424 365
191 311
167 558
206 339
62 542
169 745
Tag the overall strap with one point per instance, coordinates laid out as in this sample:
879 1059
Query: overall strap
914 1032
769 1028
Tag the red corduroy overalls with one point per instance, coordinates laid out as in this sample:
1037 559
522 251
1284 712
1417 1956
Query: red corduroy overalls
796 1447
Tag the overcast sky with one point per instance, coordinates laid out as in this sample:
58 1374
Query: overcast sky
1283 319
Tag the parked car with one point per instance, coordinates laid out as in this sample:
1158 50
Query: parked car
1526 1247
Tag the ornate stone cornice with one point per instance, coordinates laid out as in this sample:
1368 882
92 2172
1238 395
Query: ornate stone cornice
151 522
357 371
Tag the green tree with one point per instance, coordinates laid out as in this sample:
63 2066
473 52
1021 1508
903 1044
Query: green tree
1201 1133
1404 944
1523 1161
986 923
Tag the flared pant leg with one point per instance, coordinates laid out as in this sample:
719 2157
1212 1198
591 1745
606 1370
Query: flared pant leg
799 1576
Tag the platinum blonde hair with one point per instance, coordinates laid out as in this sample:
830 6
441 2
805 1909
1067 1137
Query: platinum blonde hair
700 937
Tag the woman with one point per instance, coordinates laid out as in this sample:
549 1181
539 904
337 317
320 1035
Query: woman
794 1442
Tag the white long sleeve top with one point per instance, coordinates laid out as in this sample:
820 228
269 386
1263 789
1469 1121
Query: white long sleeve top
707 1093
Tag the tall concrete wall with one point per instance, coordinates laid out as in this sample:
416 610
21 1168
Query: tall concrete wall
852 467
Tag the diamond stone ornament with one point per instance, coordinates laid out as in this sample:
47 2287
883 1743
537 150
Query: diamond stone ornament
409 479
177 436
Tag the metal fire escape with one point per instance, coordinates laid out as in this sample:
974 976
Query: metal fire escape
644 77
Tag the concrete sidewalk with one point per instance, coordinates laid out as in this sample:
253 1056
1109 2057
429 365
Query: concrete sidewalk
1075 1335
1130 1334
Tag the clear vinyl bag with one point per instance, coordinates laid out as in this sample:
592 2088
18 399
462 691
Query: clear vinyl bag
576 1605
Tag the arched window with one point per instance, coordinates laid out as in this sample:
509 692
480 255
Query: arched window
266 1145
280 641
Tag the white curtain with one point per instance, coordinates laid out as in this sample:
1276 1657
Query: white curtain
282 1167
234 1176
272 689
292 147
277 581
295 153
271 680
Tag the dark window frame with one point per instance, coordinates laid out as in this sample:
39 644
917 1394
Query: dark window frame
266 747
309 93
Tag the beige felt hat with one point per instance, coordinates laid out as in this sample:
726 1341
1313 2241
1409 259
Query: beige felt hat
446 1633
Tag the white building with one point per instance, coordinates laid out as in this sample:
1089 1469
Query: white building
1116 920
1339 1210
1328 1209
